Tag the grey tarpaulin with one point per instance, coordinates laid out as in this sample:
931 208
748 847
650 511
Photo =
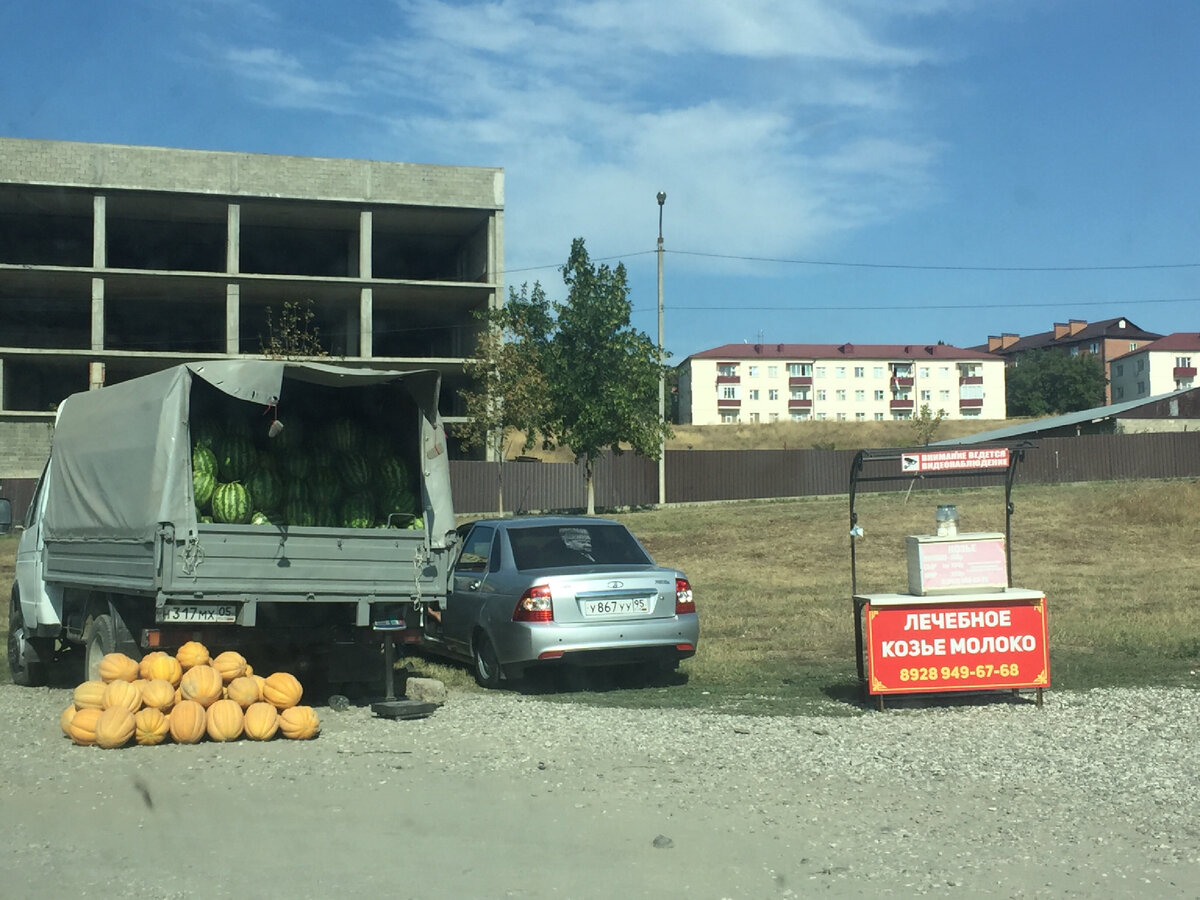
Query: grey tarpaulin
121 455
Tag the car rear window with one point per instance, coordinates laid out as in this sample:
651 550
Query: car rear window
555 546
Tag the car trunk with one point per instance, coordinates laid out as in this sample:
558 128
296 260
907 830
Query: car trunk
618 595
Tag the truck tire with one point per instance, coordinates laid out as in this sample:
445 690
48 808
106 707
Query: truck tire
26 671
99 638
487 665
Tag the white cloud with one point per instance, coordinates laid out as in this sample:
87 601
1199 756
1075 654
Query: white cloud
772 124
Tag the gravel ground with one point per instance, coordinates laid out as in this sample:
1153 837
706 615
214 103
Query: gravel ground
501 795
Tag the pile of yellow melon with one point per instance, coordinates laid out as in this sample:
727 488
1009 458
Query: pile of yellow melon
186 697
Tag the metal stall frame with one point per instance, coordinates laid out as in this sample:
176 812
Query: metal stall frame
859 475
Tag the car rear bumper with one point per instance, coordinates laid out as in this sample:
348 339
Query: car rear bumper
610 643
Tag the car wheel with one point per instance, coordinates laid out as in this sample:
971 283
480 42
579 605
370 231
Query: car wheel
99 638
487 665
25 671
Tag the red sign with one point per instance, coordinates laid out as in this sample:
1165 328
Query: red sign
949 460
957 646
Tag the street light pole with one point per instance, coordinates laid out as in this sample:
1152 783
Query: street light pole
662 375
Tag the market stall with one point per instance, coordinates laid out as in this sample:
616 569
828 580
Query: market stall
961 625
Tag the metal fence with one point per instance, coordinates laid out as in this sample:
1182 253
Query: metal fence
696 476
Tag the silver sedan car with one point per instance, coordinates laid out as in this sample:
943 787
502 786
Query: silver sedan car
557 590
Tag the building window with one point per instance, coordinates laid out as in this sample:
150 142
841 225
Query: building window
1119 369
841 417
727 370
944 371
878 417
754 393
840 395
728 418
943 395
754 371
971 412
1141 388
772 371
801 393
1132 346
1183 362
800 416
772 394
1075 350
821 394
926 396
839 372
1093 348
860 372
753 417
820 417
879 371
860 396
1141 365
800 370
923 372
729 392
880 395
774 417
820 372
860 417
1119 393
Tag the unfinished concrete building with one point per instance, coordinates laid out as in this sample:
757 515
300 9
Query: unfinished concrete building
116 261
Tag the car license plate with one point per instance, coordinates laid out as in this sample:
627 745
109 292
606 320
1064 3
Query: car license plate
200 612
626 606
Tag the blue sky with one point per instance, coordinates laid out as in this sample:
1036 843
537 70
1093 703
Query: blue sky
872 171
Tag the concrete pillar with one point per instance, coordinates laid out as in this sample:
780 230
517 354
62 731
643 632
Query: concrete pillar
233 318
99 232
97 313
366 322
2 406
233 238
365 236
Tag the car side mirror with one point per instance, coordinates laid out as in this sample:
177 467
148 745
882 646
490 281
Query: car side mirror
5 515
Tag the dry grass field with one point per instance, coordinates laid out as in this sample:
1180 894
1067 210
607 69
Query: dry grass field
772 580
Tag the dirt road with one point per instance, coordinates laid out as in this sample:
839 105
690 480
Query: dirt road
498 795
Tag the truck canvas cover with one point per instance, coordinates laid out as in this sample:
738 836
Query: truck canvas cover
121 455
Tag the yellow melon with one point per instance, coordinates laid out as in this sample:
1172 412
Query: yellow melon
150 727
83 726
118 667
114 728
223 721
64 721
299 723
282 690
193 653
187 722
90 695
159 695
230 664
261 721
202 684
124 694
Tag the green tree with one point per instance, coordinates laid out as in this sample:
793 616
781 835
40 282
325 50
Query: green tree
926 423
507 372
295 335
1050 382
602 374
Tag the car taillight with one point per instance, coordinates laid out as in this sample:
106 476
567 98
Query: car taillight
535 605
683 597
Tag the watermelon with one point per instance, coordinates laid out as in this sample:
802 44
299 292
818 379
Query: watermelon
325 490
231 503
376 447
260 518
205 432
392 473
299 513
396 500
293 466
203 485
358 511
417 524
235 456
345 436
203 459
265 489
355 471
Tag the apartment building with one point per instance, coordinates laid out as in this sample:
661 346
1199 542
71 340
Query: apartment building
116 261
1159 367
838 382
1106 340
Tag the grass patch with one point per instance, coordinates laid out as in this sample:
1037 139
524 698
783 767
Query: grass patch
772 583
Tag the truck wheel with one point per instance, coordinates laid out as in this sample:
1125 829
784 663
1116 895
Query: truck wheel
25 671
99 638
487 666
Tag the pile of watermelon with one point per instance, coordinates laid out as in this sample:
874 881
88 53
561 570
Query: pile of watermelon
343 476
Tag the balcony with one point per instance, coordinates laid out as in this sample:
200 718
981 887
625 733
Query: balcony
800 381
901 381
970 379
970 402
800 404
1185 371
724 403
901 404
729 379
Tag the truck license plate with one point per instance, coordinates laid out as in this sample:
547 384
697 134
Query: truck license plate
629 606
200 612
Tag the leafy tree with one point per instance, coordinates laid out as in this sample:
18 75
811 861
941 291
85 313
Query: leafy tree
574 374
1050 382
295 335
602 373
508 373
925 424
